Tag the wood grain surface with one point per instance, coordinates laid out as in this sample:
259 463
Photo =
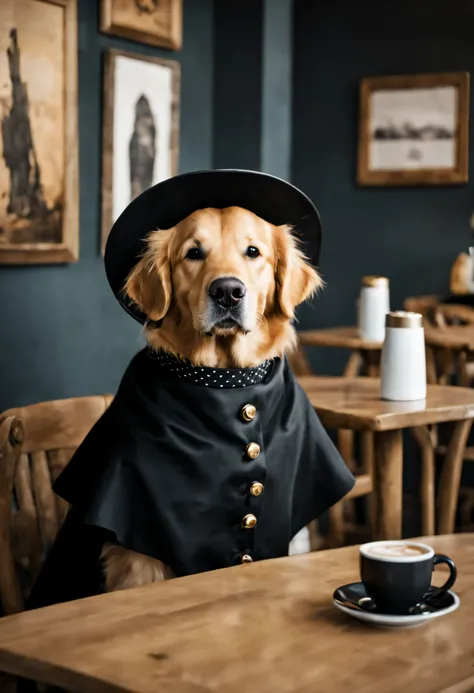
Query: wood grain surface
265 627
355 403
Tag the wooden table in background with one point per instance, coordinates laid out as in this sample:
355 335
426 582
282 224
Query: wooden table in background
265 627
365 356
355 404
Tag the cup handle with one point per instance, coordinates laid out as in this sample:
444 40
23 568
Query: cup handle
439 558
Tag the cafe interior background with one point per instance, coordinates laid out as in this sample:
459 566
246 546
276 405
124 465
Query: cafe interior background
270 85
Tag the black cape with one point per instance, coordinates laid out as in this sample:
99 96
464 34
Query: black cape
165 473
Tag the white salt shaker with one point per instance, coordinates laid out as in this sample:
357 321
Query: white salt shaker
374 304
403 363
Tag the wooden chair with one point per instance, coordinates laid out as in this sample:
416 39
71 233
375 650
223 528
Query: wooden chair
339 524
426 305
36 443
442 365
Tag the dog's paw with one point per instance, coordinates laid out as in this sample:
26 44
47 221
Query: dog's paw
124 568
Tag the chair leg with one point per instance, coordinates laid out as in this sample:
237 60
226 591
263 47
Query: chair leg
431 376
316 540
336 525
451 477
345 445
461 367
353 365
423 438
367 442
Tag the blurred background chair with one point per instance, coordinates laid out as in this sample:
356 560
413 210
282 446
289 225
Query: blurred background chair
449 335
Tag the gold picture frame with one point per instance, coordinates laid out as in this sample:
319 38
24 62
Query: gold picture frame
140 128
39 211
414 130
154 22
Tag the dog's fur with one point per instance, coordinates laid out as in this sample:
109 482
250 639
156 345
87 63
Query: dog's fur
173 290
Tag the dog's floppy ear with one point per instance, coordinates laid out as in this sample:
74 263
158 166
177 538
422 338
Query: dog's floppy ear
295 279
149 282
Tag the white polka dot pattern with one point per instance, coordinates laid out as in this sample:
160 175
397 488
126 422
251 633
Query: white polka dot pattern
210 377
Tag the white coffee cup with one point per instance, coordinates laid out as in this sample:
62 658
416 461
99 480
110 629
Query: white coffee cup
373 306
403 362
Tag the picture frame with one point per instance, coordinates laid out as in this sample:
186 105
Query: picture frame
414 130
39 202
141 146
153 22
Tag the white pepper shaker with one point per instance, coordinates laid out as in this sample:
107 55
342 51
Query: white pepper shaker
403 363
374 304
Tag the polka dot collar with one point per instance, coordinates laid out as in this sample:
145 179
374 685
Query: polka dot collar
225 378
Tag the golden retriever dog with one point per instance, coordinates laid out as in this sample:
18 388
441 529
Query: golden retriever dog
220 290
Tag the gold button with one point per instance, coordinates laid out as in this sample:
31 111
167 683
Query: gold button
253 450
256 489
249 412
249 521
246 558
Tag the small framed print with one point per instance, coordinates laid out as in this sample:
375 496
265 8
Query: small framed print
140 129
414 130
155 22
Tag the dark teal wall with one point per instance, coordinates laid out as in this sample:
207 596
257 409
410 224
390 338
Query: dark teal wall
252 85
238 32
411 235
62 332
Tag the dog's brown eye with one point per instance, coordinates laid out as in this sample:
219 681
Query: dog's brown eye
195 254
252 251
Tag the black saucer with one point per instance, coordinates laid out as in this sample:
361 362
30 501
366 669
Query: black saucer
353 596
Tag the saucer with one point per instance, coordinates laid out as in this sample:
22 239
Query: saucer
352 599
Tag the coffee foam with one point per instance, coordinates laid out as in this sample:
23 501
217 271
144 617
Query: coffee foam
397 551
387 550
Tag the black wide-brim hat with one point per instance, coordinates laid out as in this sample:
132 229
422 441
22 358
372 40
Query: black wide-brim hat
166 204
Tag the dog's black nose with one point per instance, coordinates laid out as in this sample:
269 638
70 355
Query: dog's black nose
227 291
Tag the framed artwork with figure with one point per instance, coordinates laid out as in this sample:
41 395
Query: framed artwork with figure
155 22
414 130
38 132
140 129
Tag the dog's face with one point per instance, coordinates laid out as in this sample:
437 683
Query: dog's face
222 269
225 272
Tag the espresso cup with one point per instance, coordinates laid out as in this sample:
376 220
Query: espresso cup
397 574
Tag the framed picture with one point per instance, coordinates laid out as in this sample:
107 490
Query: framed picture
38 132
140 130
414 130
156 22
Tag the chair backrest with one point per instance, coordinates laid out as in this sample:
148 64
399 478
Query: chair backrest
446 314
36 443
426 305
440 314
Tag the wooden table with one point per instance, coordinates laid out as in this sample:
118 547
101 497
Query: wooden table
355 403
265 627
365 356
